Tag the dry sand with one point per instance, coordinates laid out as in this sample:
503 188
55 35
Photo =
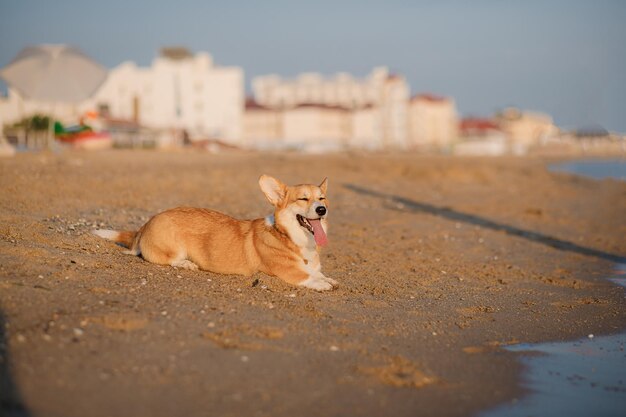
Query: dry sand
441 261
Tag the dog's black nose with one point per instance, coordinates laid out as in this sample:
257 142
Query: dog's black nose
321 210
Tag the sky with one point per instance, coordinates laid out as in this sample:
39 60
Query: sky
563 57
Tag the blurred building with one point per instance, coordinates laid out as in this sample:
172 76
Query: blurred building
433 122
309 126
184 98
480 136
262 126
369 112
510 131
321 126
525 128
178 91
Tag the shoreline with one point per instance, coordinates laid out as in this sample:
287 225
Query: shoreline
441 261
575 378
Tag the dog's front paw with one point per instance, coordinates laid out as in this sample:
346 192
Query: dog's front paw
185 264
331 281
317 284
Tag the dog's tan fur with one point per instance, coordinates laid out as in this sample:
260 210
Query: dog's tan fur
195 238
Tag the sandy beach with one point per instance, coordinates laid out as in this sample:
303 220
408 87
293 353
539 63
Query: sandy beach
441 262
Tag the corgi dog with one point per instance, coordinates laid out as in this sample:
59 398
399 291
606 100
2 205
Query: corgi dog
285 244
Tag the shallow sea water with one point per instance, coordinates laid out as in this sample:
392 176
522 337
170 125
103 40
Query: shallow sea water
585 378
597 169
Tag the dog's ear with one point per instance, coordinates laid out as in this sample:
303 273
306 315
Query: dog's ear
274 190
324 185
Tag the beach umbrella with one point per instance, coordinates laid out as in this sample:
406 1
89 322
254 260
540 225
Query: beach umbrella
54 74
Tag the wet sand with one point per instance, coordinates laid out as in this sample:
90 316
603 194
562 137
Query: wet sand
441 261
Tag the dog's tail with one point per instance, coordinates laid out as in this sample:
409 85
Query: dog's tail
123 237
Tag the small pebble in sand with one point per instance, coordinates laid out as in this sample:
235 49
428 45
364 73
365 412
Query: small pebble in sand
21 338
40 276
78 332
292 295
245 359
334 348
210 324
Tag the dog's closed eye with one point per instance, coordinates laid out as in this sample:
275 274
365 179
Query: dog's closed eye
303 199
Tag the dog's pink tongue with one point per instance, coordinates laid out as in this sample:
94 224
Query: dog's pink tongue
318 232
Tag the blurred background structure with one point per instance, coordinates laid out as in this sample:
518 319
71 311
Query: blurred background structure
46 76
332 76
331 113
180 91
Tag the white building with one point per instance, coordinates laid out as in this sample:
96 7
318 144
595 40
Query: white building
433 122
381 95
178 91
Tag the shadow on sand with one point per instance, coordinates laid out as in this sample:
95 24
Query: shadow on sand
458 216
11 404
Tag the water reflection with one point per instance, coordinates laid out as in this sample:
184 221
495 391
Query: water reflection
583 378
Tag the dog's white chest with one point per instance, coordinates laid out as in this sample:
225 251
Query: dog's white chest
311 260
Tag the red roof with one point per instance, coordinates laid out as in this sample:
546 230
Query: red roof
475 124
320 106
251 104
429 97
